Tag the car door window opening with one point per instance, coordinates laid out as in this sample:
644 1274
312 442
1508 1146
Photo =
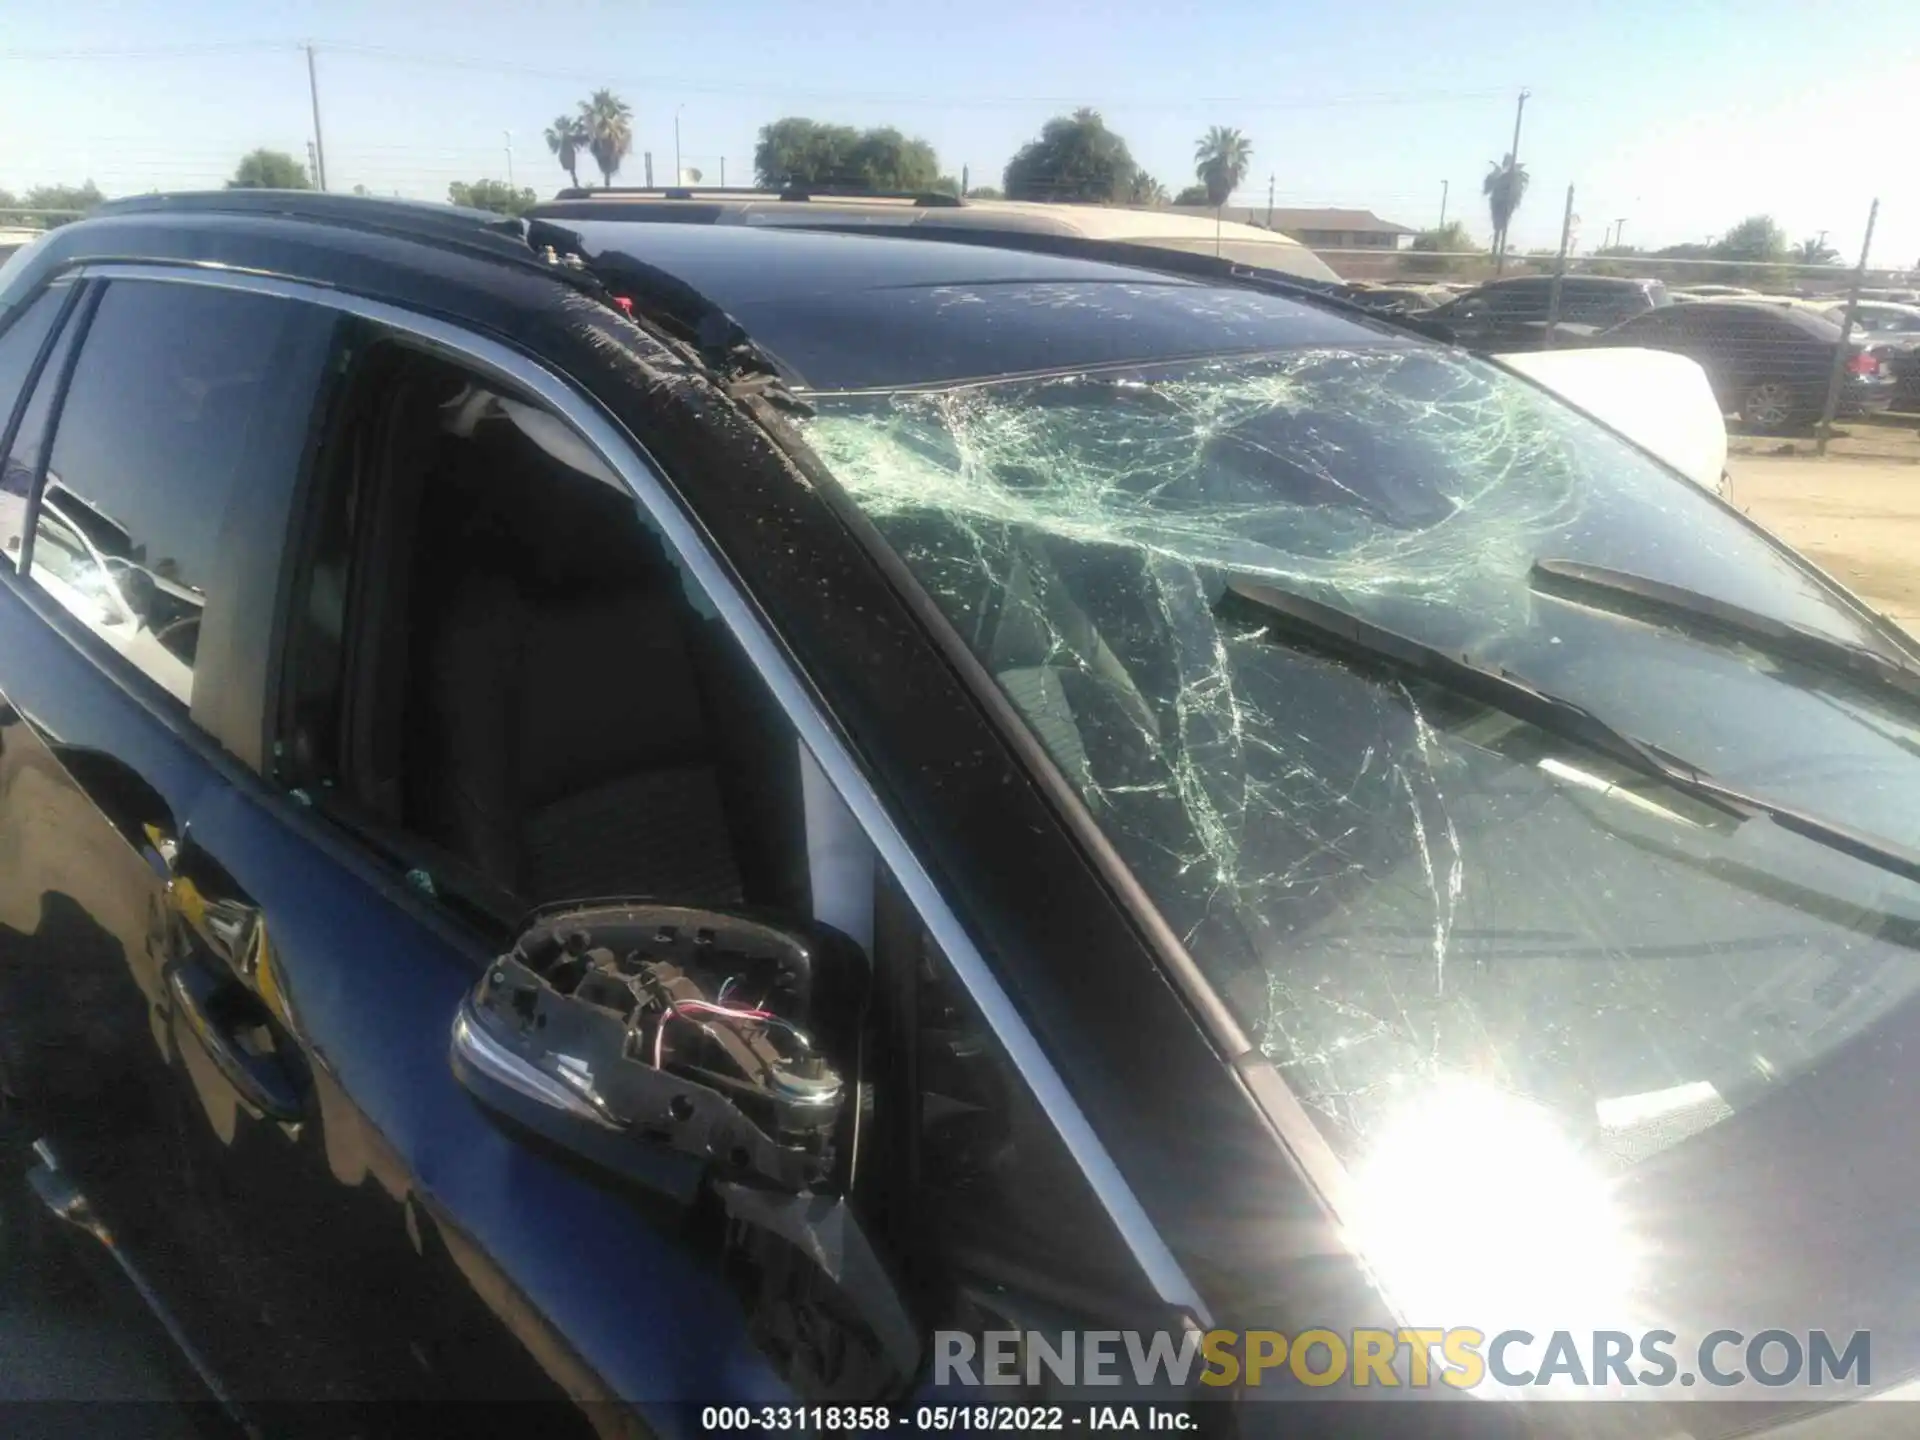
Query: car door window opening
495 655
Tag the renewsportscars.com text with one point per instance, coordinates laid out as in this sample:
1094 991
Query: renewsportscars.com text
1462 1358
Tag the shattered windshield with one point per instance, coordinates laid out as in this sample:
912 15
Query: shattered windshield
1388 883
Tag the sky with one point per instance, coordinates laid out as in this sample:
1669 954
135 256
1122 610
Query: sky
1678 118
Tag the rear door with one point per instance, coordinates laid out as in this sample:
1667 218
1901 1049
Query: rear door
164 432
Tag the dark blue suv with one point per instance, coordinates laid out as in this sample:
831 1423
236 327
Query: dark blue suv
645 816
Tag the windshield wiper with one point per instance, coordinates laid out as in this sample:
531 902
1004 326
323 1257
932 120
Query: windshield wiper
1295 620
1622 592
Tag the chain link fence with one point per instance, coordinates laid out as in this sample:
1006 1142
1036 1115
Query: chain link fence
1789 346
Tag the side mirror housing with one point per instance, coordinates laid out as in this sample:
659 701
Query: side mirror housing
639 1031
687 1050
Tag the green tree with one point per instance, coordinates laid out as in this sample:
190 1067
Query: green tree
1075 158
1814 250
1442 250
799 151
608 122
984 192
1220 161
1608 260
495 195
77 198
1192 195
269 170
1143 190
884 159
566 138
1505 186
1759 241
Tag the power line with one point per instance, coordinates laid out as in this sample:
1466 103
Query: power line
151 52
679 85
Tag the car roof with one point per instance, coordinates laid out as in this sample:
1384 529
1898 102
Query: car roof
831 309
1801 317
860 310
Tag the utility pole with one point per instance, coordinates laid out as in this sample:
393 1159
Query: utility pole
319 146
509 135
966 180
723 172
1443 204
1840 356
678 174
1270 180
1619 229
649 160
313 166
1513 160
1559 269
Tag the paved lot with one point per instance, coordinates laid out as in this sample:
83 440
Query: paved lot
1858 519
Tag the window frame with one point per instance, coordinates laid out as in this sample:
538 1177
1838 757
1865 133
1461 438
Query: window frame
78 293
820 737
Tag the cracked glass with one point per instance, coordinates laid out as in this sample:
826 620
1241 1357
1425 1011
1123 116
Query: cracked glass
1390 884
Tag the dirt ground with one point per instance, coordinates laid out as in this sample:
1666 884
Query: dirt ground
1856 518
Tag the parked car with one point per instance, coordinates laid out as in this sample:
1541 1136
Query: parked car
1512 314
1769 364
1401 298
838 209
1713 292
748 795
1879 318
1658 400
1893 330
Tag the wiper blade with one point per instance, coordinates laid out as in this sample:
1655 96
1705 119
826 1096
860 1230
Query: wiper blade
1296 620
1622 592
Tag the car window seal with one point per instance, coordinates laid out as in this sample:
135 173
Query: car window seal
1299 622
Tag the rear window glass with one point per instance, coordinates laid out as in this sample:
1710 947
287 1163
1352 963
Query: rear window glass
180 395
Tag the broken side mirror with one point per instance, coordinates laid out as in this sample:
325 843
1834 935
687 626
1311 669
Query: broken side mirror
728 1040
688 1050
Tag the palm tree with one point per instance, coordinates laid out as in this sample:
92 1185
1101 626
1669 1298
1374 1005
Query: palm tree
566 138
608 121
1143 189
1814 251
1220 162
1505 187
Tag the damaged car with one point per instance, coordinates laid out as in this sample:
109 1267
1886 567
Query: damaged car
743 799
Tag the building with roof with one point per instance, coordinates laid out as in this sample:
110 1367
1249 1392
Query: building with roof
1331 229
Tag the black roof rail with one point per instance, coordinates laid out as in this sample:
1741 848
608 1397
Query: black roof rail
796 191
475 232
